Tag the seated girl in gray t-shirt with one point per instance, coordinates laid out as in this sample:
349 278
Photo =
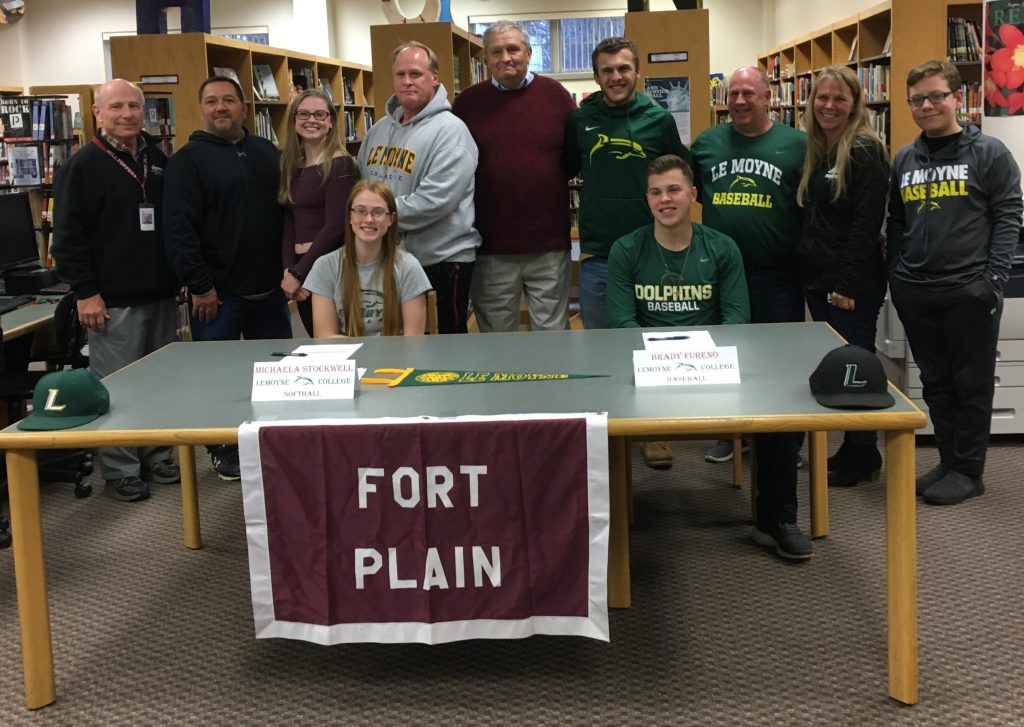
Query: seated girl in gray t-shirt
370 286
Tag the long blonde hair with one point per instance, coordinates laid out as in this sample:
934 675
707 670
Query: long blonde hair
351 290
857 132
293 156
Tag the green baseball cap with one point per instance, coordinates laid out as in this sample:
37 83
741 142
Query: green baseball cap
65 399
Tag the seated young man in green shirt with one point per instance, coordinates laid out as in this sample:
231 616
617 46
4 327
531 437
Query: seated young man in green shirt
674 272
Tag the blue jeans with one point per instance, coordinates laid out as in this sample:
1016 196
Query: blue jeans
593 282
858 326
237 317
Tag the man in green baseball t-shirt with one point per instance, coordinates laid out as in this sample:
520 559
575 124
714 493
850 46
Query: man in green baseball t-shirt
747 174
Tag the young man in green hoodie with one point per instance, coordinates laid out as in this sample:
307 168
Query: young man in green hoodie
610 139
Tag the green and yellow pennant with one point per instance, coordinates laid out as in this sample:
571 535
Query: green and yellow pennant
437 377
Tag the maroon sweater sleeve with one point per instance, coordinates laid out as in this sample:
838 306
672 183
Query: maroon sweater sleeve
344 175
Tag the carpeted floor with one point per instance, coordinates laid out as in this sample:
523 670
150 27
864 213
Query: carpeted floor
721 633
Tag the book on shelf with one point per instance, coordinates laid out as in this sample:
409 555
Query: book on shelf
158 119
16 118
25 165
350 96
367 121
457 73
228 73
887 46
325 86
853 51
265 125
264 84
302 80
51 119
350 126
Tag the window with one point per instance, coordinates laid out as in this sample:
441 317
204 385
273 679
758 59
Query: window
563 45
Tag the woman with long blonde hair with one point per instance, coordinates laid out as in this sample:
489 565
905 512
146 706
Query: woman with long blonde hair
317 174
371 285
843 194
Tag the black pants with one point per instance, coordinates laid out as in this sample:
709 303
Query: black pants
776 296
953 335
451 283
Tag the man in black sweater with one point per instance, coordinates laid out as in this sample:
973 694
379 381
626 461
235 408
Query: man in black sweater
107 245
223 231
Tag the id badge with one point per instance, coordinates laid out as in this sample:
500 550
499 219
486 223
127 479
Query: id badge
147 217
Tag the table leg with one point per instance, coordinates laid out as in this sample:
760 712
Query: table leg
30 578
818 449
189 497
901 560
627 472
737 462
618 528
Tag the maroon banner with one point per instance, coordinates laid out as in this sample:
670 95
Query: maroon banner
447 521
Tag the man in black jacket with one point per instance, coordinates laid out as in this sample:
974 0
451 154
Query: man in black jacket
223 230
107 245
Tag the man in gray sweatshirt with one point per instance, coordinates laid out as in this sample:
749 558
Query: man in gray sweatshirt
954 220
427 156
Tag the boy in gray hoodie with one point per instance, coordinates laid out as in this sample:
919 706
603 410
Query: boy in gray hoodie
428 158
954 220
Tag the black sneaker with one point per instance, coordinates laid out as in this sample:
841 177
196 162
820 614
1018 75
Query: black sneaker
930 477
162 473
225 462
953 489
128 489
787 540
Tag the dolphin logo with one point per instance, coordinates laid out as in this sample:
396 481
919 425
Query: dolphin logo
621 148
743 182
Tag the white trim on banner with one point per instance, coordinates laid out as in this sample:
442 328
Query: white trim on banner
594 625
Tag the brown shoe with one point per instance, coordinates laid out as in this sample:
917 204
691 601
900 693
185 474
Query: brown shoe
658 455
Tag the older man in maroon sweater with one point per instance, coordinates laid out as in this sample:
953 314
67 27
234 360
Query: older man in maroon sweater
517 119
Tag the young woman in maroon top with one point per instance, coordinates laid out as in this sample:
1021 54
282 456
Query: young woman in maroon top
317 175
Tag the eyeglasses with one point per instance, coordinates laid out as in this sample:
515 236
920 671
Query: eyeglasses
303 114
377 213
933 98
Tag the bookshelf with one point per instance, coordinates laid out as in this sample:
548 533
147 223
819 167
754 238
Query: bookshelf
51 126
180 63
965 47
671 31
459 58
882 43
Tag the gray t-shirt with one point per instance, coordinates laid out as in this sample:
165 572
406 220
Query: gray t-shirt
325 276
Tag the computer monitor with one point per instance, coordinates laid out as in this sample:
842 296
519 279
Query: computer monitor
18 246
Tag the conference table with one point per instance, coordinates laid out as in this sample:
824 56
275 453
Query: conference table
199 393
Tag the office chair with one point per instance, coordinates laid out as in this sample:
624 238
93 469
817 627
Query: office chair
17 387
431 327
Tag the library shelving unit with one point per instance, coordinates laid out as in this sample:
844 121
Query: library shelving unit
965 41
660 36
61 120
882 43
357 90
459 60
174 66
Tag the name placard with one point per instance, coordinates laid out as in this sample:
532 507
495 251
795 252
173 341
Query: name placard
302 379
686 367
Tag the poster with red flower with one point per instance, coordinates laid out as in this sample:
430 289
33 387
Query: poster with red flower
1004 58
